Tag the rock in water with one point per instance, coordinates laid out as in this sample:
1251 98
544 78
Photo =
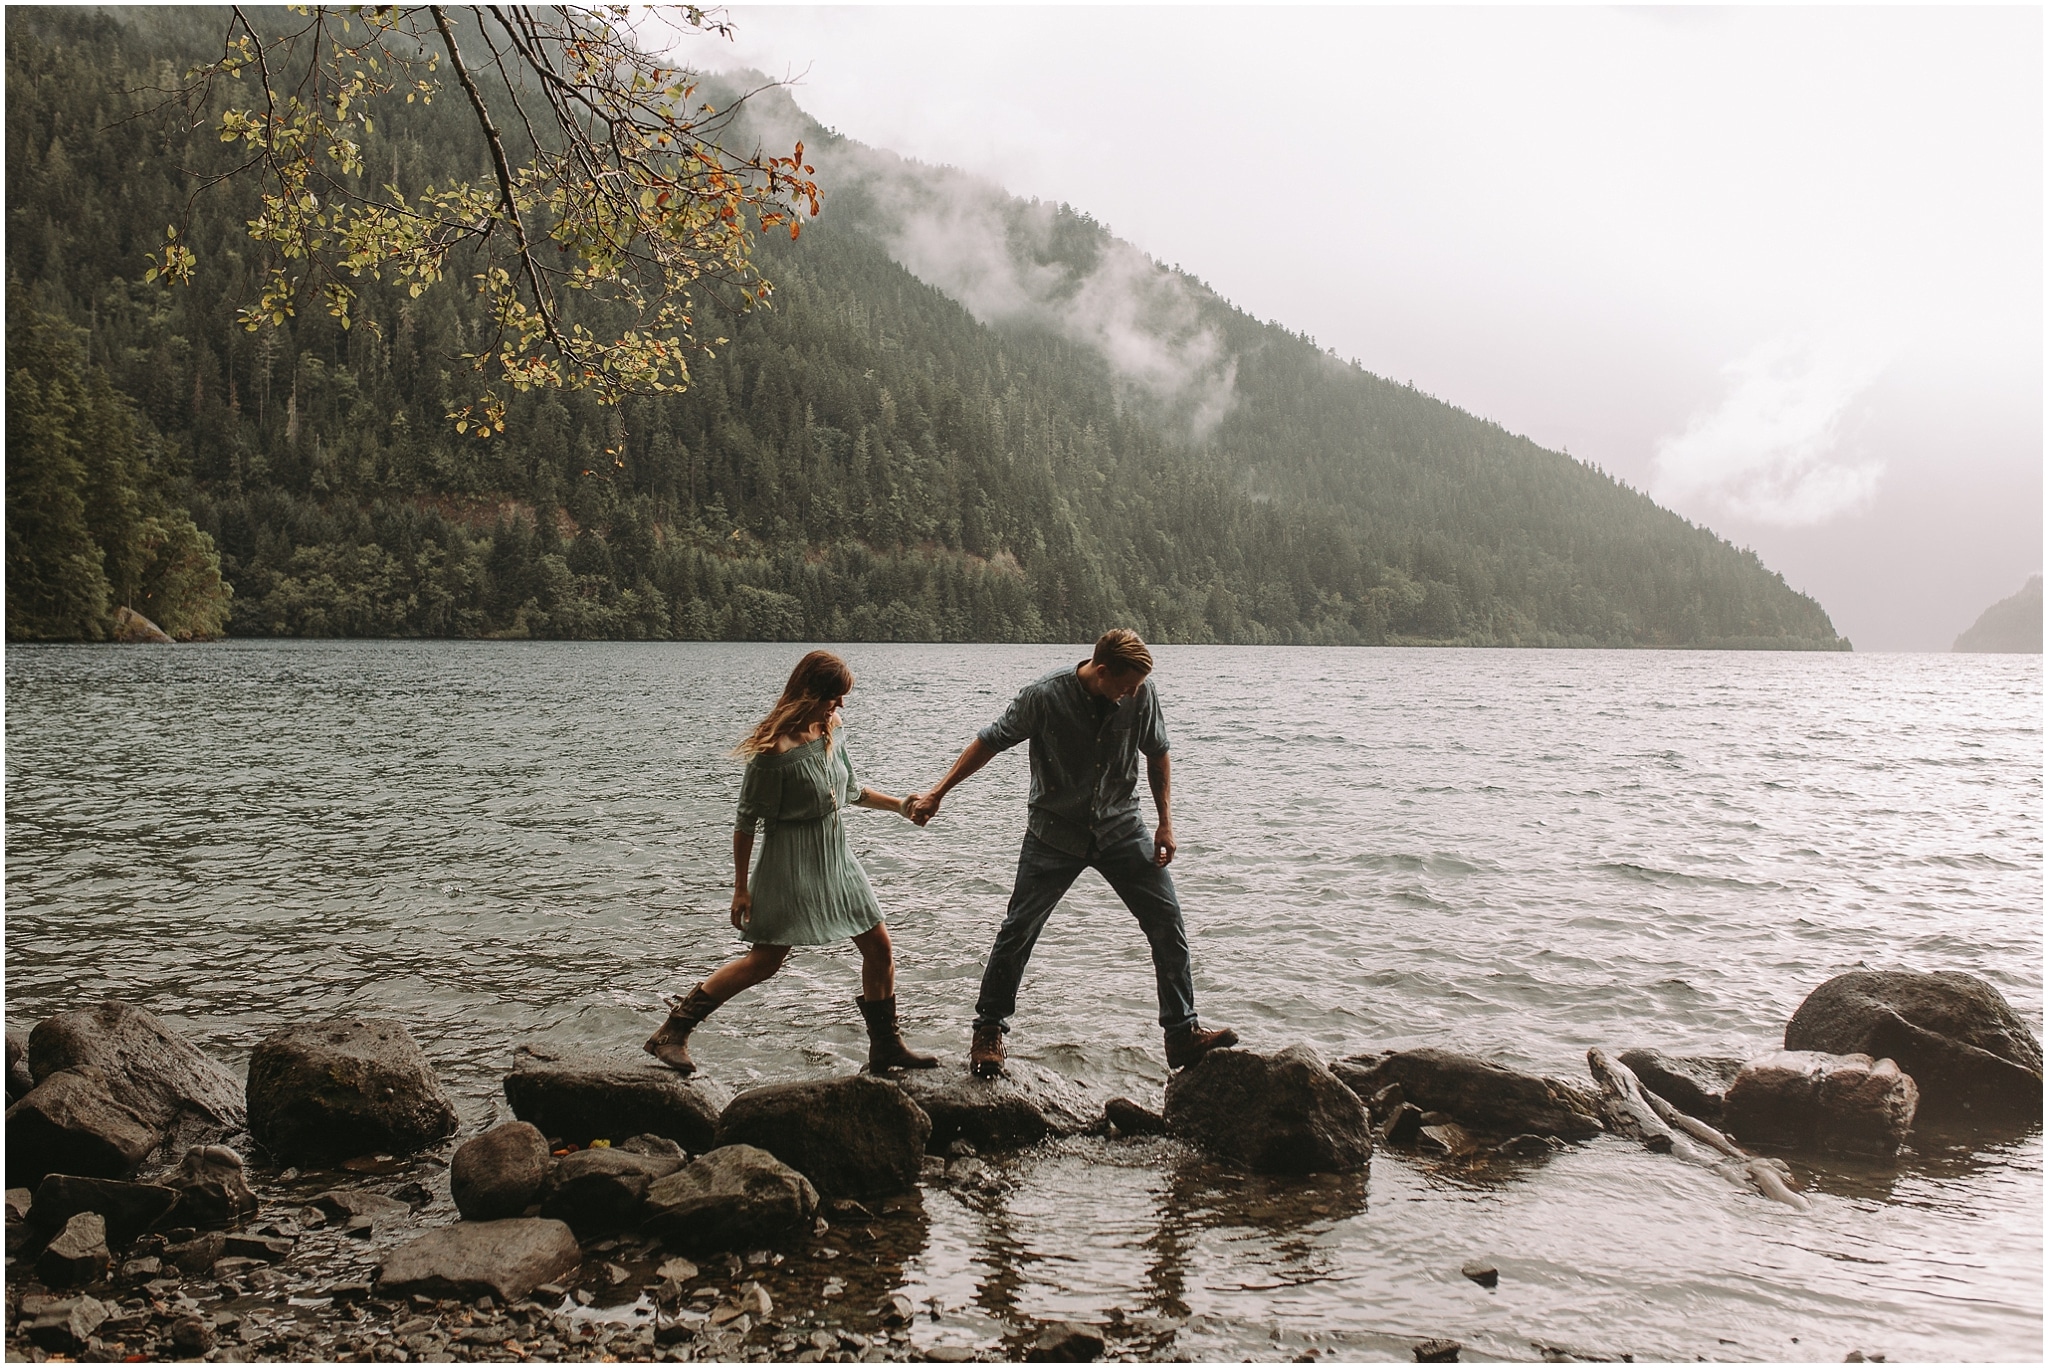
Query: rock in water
498 1175
133 629
127 1208
198 1254
849 1136
19 1081
1067 1342
580 1098
354 1204
150 1068
1024 1105
213 1188
599 1191
1482 1096
340 1088
1695 1084
1131 1118
471 1259
1280 1113
1401 1125
79 1254
736 1197
70 1123
1972 1056
1803 1099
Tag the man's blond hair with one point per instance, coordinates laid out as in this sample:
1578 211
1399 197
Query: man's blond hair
1121 650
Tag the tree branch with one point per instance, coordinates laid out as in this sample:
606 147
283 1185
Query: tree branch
505 192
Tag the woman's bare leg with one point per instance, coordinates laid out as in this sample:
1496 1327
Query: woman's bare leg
877 963
758 965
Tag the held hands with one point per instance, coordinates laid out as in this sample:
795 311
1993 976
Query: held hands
921 807
742 909
1163 846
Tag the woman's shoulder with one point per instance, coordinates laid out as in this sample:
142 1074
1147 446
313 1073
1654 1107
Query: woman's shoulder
785 754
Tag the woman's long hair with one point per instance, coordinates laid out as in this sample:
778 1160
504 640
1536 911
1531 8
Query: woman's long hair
817 677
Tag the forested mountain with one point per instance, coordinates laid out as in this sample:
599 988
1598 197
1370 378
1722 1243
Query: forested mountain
2011 626
874 457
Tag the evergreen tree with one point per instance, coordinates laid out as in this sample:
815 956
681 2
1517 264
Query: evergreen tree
862 461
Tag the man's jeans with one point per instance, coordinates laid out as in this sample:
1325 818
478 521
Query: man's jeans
1044 874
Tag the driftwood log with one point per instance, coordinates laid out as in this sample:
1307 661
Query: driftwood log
1638 1111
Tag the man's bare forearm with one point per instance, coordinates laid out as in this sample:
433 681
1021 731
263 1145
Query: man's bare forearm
971 759
1159 771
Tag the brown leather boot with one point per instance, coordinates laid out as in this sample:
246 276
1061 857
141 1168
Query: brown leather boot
985 1055
1190 1043
886 1049
671 1044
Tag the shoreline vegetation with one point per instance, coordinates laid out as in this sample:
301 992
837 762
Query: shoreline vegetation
863 461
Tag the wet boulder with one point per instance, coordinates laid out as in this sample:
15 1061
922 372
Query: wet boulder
70 1123
1400 1125
655 1147
498 1175
1804 1099
1695 1084
335 1089
1956 1036
579 1098
1279 1113
504 1260
849 1136
128 1209
1067 1342
601 1191
1128 1118
78 1254
19 1080
1024 1105
735 1197
150 1068
1482 1096
213 1188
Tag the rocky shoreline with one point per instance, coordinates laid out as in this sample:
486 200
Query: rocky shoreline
631 1214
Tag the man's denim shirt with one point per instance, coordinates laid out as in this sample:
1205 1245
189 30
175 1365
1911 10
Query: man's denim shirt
1084 758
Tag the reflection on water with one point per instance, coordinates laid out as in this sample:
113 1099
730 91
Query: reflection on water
1517 854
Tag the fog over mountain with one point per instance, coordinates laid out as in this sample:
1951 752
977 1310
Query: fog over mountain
1781 267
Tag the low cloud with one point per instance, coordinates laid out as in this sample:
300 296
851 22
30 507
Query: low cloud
1012 262
1772 450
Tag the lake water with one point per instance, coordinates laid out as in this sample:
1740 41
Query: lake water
1516 853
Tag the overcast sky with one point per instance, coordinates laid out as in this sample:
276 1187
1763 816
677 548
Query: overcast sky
1781 268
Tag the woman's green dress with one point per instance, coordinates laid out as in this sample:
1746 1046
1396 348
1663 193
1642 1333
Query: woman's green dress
808 889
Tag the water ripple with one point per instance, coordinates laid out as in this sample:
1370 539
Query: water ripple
1518 853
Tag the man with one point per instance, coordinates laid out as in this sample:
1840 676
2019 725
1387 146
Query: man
1086 725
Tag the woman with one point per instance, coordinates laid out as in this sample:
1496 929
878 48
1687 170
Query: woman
808 889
